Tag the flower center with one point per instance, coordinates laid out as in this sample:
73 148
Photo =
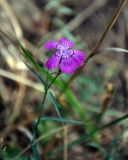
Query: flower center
64 52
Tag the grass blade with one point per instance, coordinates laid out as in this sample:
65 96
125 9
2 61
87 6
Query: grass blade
56 106
29 56
70 121
35 73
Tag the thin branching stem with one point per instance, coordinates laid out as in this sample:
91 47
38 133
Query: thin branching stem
35 127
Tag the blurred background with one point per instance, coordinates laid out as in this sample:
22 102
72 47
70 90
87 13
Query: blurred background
100 89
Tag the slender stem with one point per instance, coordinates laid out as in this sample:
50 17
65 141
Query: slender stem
47 87
45 94
53 80
46 83
94 50
36 155
41 108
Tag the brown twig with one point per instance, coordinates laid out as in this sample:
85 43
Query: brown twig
94 50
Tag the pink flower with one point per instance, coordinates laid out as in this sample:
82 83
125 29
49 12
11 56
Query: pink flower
66 58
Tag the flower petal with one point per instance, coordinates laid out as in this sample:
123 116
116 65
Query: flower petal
71 64
67 66
53 62
79 57
50 44
66 42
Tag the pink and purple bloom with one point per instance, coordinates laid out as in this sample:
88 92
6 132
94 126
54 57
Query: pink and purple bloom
66 58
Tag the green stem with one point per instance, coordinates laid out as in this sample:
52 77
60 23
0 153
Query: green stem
53 80
47 87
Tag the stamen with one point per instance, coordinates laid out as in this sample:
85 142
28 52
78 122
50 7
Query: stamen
67 56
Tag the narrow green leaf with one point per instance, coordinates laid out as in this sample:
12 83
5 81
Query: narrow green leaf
35 74
70 121
56 106
86 137
29 56
114 122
